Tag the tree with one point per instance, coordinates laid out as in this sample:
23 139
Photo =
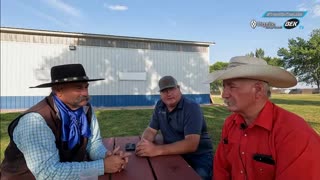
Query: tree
259 53
303 58
274 61
217 85
251 54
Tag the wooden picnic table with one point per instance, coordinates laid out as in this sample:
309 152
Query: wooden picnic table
171 167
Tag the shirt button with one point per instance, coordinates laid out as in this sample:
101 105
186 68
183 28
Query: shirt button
245 134
241 172
242 152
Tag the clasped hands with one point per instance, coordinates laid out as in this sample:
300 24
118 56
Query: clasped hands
146 148
115 161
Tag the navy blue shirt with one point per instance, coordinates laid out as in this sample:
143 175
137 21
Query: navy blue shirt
185 119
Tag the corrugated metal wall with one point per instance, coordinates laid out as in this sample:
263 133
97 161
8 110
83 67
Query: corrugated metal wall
25 64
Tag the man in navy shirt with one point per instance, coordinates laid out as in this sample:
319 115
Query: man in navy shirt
183 128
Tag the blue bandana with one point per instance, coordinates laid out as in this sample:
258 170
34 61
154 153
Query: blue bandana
74 123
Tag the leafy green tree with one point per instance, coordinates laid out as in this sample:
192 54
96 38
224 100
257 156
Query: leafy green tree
217 85
274 61
259 53
302 57
251 54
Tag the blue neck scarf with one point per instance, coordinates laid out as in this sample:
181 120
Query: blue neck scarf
74 123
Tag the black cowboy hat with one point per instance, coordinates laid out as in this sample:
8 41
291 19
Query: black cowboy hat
67 73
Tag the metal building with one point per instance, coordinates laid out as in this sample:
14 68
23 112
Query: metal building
131 66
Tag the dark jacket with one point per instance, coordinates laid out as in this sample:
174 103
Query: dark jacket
14 165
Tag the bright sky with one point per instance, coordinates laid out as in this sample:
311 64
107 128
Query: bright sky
227 23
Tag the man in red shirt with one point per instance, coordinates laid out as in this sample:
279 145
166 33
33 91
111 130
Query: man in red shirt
261 140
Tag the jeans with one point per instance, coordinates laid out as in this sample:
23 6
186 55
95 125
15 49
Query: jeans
201 163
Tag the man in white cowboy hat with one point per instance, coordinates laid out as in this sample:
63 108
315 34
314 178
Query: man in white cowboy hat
259 139
183 128
59 137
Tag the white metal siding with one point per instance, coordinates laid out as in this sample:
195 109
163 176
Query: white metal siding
22 62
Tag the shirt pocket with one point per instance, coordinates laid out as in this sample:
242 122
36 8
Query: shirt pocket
263 170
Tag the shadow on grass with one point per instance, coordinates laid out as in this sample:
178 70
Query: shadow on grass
295 102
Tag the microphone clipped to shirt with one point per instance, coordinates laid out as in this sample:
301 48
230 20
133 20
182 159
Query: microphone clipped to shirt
243 126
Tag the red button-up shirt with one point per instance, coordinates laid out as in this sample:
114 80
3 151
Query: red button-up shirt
275 135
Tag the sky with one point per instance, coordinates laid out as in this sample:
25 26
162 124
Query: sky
226 23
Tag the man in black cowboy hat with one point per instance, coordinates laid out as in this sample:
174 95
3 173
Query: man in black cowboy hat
59 137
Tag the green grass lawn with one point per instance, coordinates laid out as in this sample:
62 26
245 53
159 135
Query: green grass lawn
133 122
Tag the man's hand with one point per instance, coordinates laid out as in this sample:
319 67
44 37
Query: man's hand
114 152
147 148
116 160
113 163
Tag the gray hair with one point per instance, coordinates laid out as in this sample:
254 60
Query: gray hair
267 89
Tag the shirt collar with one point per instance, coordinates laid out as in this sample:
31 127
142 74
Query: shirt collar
264 119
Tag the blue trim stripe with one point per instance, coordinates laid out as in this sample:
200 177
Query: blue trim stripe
23 102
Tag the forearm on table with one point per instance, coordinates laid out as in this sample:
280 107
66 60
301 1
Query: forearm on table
149 134
188 145
70 170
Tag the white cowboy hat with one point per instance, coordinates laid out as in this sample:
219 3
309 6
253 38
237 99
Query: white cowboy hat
254 68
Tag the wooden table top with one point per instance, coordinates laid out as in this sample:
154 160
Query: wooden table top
143 168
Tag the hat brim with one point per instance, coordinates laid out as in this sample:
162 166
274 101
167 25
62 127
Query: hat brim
166 87
275 76
45 85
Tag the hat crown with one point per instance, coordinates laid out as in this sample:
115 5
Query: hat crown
167 82
245 60
67 71
254 68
